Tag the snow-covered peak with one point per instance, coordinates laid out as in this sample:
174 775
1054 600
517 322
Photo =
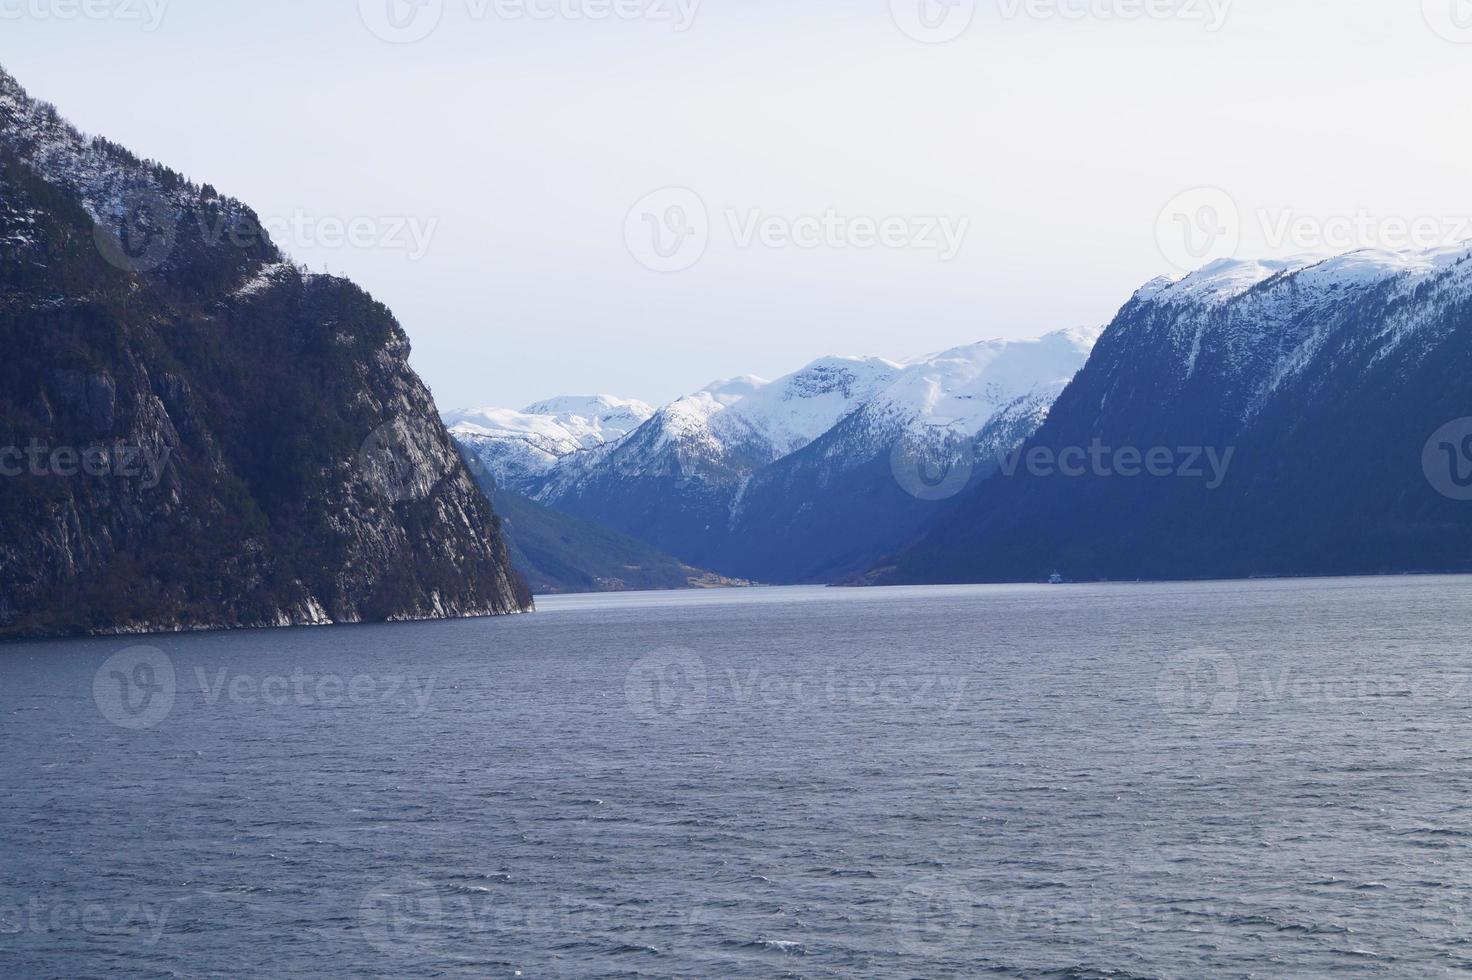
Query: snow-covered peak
1255 325
767 419
1227 279
517 446
1372 265
1222 280
688 419
723 434
729 391
564 424
1155 287
794 410
587 406
601 417
963 388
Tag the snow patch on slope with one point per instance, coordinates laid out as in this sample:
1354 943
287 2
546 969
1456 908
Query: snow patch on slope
263 280
791 412
1220 282
964 388
1228 279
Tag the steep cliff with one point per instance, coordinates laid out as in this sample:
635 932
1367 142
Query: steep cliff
196 434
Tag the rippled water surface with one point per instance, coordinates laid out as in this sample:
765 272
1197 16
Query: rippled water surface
1255 779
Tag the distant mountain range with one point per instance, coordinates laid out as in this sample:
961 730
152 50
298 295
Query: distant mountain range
1297 417
793 480
196 434
518 449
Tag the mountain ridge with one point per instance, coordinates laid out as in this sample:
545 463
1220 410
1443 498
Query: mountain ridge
740 475
1328 379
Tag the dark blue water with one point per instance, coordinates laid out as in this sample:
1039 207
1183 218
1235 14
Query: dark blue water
1255 779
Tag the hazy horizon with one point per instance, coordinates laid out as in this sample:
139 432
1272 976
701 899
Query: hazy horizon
640 204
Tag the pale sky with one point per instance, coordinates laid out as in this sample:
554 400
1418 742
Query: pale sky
1045 139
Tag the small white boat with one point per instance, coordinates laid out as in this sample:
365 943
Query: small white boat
1055 579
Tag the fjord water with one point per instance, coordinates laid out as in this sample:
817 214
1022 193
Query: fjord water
1213 779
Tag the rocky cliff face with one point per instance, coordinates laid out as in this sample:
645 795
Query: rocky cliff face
196 434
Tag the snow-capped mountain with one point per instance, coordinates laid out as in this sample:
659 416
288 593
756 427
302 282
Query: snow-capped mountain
518 448
674 481
786 415
964 389
731 428
859 491
791 479
1323 382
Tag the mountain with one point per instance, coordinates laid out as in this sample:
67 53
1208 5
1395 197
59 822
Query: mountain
888 470
675 480
196 434
556 553
809 477
1303 417
510 451
518 448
